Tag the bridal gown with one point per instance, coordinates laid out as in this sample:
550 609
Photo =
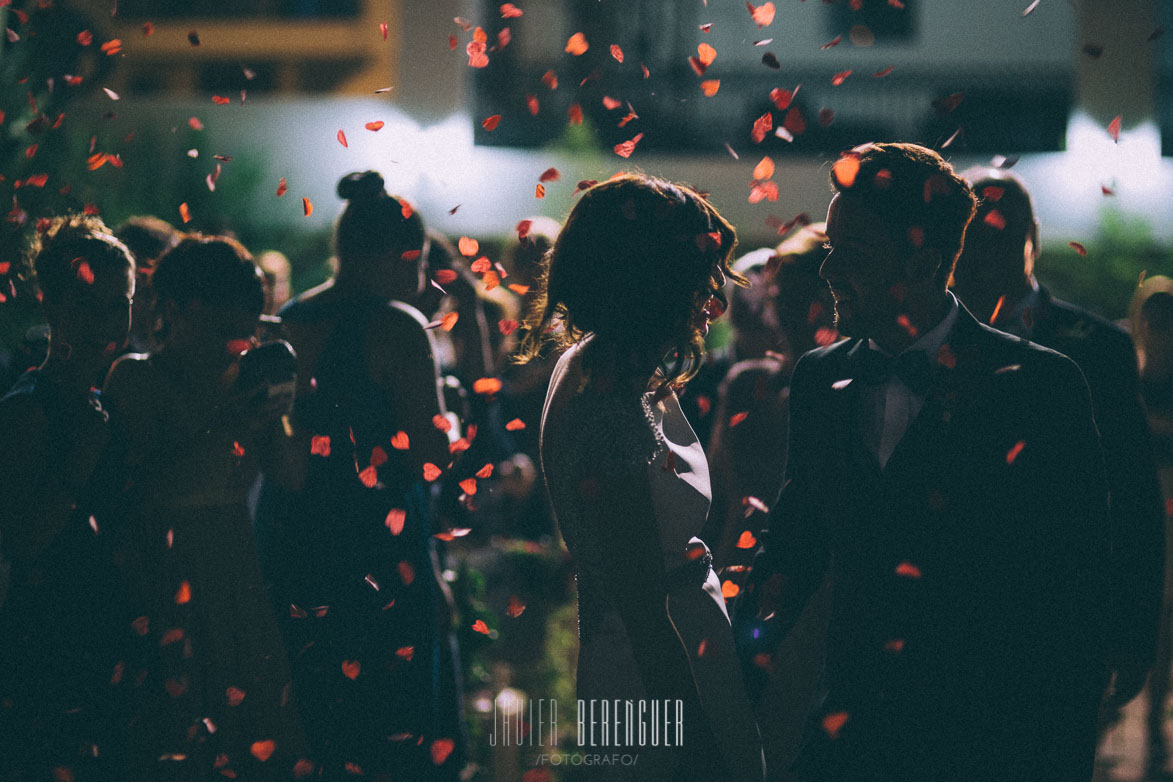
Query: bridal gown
653 437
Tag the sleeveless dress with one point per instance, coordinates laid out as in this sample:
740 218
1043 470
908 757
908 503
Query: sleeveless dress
64 632
362 614
658 440
217 691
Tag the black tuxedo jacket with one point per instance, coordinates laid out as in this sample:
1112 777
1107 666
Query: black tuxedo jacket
1108 359
969 574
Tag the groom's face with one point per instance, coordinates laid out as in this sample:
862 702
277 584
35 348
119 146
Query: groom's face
864 268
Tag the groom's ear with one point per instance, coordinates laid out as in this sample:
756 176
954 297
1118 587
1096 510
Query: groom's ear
923 264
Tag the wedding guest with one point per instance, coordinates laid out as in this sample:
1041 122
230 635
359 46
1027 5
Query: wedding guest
995 278
195 422
950 475
1151 316
787 311
524 390
277 272
63 621
148 238
368 616
629 288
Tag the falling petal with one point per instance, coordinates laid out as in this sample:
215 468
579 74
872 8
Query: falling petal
577 45
396 519
763 15
833 723
908 570
845 170
761 127
764 169
625 148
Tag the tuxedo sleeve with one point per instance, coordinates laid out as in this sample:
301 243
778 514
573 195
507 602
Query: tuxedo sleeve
1138 550
1066 535
793 559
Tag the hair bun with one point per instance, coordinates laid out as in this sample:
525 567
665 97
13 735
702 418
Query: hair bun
362 186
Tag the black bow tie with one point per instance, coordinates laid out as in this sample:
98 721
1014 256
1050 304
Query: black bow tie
915 370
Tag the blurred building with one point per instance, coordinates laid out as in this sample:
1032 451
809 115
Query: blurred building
1037 82
284 47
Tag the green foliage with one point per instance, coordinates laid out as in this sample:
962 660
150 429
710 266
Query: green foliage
582 139
1105 280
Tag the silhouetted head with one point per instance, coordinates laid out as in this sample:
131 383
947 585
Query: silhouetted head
1151 313
787 302
803 303
86 280
209 295
1001 245
278 277
148 239
379 239
895 228
637 264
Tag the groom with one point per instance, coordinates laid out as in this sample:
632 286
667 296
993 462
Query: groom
950 478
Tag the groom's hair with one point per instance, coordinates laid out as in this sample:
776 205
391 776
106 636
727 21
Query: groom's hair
921 200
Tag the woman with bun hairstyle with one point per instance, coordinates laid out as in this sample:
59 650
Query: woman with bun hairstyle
628 290
195 420
61 624
353 561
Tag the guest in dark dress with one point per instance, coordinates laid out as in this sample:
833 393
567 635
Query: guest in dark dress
63 623
367 617
786 311
995 279
193 430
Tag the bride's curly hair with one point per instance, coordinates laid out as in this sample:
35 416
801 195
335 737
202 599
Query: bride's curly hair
633 264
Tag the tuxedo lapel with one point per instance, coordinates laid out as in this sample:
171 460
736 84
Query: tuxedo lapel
845 394
955 391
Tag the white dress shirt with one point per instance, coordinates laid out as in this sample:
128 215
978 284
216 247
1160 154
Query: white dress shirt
888 409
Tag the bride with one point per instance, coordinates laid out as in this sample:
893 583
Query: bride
634 277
